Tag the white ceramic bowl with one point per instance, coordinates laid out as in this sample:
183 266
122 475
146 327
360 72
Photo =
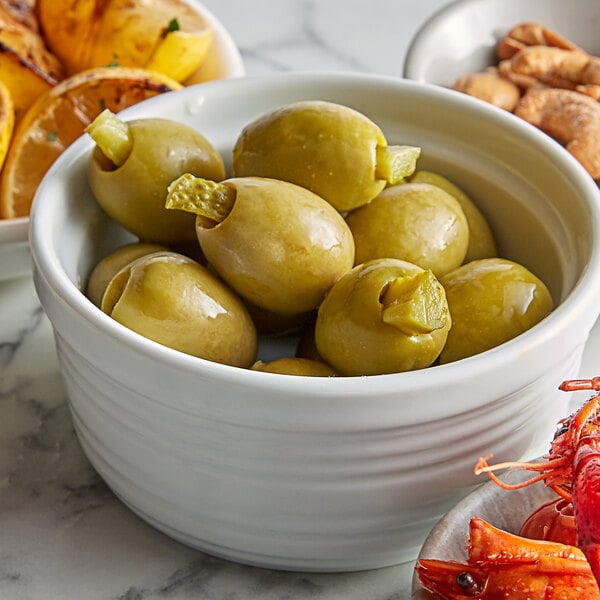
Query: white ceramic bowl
223 61
15 259
504 509
461 37
323 473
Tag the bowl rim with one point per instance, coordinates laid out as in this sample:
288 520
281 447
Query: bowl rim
421 34
582 297
15 230
235 65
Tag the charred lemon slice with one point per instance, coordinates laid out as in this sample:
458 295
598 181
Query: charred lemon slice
59 117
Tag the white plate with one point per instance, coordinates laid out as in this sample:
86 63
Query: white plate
504 509
461 37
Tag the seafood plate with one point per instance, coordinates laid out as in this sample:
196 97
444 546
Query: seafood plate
550 548
507 510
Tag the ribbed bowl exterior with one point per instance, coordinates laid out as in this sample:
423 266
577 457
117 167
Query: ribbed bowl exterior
320 474
325 499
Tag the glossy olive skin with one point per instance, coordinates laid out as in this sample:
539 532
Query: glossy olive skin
482 243
111 264
134 193
322 146
358 333
416 222
173 300
295 366
491 301
281 247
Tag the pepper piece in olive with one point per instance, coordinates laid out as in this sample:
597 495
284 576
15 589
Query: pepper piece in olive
491 301
134 162
112 263
416 222
384 316
330 149
481 239
295 366
278 245
173 300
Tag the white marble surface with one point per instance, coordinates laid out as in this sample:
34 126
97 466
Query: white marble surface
63 535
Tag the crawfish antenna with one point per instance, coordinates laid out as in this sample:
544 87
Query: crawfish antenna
574 385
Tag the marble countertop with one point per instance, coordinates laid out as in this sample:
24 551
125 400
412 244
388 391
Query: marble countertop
63 534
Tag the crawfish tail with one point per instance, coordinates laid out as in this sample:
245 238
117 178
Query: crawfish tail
501 565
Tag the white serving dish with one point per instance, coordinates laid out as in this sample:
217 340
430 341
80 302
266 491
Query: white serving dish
223 61
15 258
461 37
323 474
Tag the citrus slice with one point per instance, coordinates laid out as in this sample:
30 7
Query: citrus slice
7 120
59 117
169 36
28 68
180 53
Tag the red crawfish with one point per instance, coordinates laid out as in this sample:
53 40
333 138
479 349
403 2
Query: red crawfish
571 469
553 521
501 565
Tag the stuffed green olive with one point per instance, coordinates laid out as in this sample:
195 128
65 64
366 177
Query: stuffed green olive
416 222
481 238
134 162
111 264
173 300
333 150
278 245
384 316
491 301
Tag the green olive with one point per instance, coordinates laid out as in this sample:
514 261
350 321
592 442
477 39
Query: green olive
333 150
481 239
108 267
384 316
416 222
491 301
278 245
295 366
133 190
173 300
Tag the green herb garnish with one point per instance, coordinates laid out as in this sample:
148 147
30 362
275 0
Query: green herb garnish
173 26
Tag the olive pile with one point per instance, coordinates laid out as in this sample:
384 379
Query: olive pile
322 228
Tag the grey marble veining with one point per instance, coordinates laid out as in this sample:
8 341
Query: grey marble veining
324 35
